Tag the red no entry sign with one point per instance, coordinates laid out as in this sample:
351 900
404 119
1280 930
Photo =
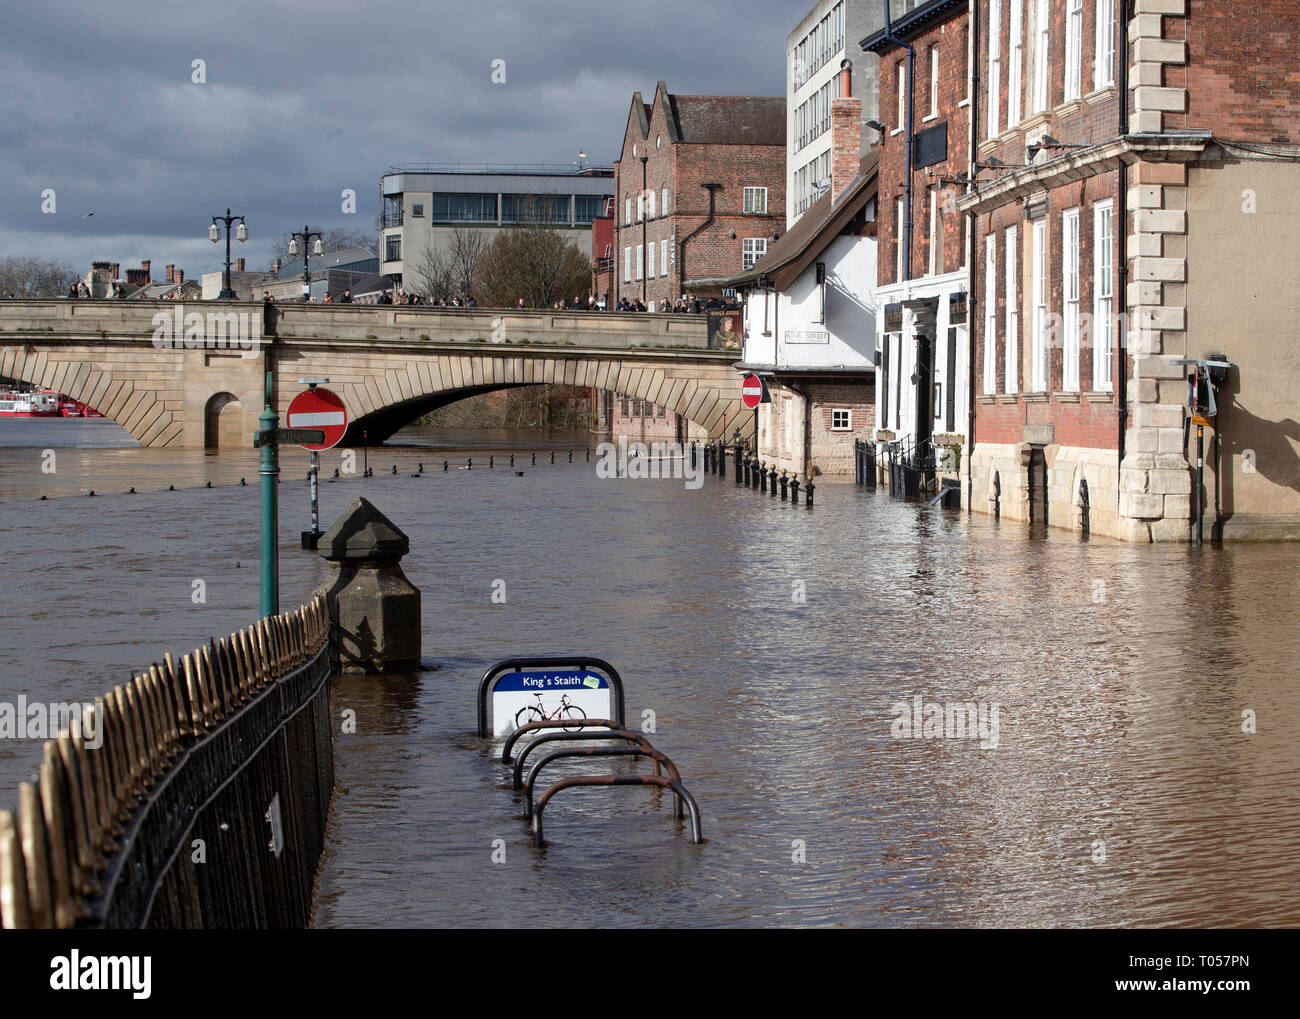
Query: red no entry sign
751 391
319 408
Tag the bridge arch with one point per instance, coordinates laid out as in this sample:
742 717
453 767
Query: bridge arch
396 391
140 405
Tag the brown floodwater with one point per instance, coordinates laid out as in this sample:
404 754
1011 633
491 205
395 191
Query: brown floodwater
1118 788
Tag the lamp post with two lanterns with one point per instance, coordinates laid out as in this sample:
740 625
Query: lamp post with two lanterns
214 235
305 236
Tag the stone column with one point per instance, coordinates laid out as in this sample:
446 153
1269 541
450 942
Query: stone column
375 608
1155 477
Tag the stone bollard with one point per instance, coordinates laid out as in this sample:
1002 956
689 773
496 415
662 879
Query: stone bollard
375 608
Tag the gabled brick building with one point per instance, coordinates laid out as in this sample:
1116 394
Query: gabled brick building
1136 167
699 193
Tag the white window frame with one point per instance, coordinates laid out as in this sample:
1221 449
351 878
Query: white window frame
936 256
640 261
752 249
1042 51
1070 299
650 204
627 211
650 259
990 314
627 264
995 66
1103 68
1015 66
1103 290
1010 382
847 426
755 201
640 207
663 202
900 214
663 259
1041 367
902 97
1012 367
1073 49
934 80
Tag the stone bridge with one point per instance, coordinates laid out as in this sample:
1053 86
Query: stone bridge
193 374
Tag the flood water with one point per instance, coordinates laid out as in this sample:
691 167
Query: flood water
1121 790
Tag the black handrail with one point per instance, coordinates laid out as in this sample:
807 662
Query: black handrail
697 835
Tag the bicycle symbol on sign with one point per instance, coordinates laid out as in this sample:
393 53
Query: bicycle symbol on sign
537 713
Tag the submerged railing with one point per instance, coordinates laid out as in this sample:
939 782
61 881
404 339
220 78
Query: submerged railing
195 795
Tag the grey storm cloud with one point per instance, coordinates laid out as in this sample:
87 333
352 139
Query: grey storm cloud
304 100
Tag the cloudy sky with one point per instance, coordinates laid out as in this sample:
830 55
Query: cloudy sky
303 100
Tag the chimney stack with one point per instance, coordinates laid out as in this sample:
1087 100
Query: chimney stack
179 278
171 272
239 265
117 270
846 134
275 266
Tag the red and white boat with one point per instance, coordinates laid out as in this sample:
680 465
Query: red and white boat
29 405
70 408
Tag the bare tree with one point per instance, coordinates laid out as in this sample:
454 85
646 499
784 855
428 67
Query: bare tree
334 239
448 269
534 262
29 276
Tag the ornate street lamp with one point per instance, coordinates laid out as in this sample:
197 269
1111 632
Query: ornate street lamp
214 235
305 236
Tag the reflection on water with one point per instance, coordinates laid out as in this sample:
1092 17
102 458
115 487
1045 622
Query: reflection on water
1122 790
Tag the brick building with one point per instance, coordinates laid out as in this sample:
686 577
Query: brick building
1135 162
922 346
699 193
602 255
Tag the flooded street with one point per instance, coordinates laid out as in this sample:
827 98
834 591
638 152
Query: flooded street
771 645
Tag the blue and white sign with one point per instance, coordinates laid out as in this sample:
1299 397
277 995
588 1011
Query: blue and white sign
539 695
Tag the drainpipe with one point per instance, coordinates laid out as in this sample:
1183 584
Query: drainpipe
645 221
973 312
907 184
1119 371
681 245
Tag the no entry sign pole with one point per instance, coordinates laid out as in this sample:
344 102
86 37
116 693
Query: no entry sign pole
317 408
269 472
752 392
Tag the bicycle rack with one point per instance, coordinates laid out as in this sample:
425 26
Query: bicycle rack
580 663
573 781
657 756
517 781
555 723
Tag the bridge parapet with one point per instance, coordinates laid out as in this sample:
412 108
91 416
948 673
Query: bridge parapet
155 805
116 320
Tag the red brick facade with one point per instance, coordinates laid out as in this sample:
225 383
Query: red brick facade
950 37
689 141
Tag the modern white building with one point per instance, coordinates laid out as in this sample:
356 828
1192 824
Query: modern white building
815 51
430 209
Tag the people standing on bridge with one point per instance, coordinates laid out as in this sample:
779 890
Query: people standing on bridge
520 303
346 298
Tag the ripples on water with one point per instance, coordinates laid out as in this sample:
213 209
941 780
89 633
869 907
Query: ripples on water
1121 673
